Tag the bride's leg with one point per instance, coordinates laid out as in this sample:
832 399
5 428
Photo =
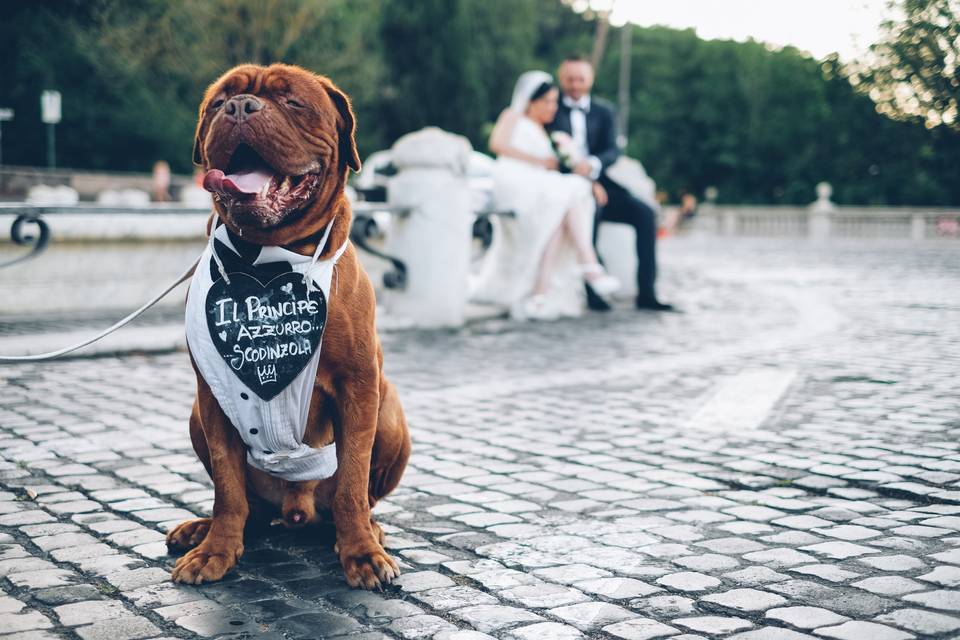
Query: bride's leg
578 225
547 260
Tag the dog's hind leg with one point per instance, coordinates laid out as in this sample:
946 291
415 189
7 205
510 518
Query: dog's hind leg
391 450
391 447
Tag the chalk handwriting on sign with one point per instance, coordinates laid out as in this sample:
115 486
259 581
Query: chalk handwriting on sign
266 333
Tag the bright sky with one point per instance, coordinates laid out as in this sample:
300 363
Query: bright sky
817 26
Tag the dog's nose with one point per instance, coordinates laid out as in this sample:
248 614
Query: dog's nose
242 106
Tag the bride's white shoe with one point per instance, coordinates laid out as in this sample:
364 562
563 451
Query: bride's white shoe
602 283
536 307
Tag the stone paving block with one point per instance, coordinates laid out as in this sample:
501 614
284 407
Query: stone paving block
888 585
920 621
25 517
136 578
539 631
779 558
731 546
746 600
490 618
542 596
59 541
82 552
772 633
19 564
308 625
858 630
829 572
504 578
689 581
714 625
190 608
35 635
947 600
848 532
126 628
106 565
897 562
42 579
707 562
81 613
640 629
943 575
422 580
446 598
10 605
617 588
839 550
26 621
461 634
569 574
755 576
372 605
806 617
215 624
591 616
952 556
920 531
665 606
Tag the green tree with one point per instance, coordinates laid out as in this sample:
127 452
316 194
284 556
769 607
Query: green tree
914 71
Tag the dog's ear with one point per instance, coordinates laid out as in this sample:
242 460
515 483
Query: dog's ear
346 129
198 140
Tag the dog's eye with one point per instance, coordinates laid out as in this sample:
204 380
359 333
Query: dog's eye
294 103
216 104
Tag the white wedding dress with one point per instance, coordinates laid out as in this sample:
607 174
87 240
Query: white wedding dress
539 198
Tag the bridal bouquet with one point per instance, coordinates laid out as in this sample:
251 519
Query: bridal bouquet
566 149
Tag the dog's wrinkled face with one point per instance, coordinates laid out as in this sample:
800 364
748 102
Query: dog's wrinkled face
276 143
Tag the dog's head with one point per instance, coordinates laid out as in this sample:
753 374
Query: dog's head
276 144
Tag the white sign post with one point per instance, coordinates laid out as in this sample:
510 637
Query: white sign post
5 115
50 114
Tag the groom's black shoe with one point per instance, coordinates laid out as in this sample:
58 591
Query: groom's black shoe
595 302
652 304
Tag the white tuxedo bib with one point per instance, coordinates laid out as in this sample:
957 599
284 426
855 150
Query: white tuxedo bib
254 320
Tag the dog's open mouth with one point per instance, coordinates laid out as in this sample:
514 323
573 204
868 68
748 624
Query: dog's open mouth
255 192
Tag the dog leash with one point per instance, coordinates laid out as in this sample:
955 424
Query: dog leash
50 355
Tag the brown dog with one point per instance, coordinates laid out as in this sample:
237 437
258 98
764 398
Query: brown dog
293 124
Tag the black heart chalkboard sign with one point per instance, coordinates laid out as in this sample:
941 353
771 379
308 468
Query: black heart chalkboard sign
266 333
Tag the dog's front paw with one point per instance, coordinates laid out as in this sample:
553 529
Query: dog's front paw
208 562
367 565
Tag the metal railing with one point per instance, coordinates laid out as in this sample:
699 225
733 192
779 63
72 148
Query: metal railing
363 231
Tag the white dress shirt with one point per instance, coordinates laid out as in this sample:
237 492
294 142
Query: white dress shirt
578 130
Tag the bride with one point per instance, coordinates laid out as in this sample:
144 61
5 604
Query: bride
538 262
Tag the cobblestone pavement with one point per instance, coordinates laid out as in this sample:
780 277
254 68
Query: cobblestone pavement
780 462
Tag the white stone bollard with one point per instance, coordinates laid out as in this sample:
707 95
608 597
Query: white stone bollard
617 246
434 240
818 220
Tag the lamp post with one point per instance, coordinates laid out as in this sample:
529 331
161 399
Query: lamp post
623 93
5 115
50 114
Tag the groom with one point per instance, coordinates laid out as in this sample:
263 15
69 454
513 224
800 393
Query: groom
593 127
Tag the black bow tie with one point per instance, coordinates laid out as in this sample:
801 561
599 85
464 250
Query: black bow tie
577 105
241 260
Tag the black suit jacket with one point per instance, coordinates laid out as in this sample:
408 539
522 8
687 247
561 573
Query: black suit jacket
601 129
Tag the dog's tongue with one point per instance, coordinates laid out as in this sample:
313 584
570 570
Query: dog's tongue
240 183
